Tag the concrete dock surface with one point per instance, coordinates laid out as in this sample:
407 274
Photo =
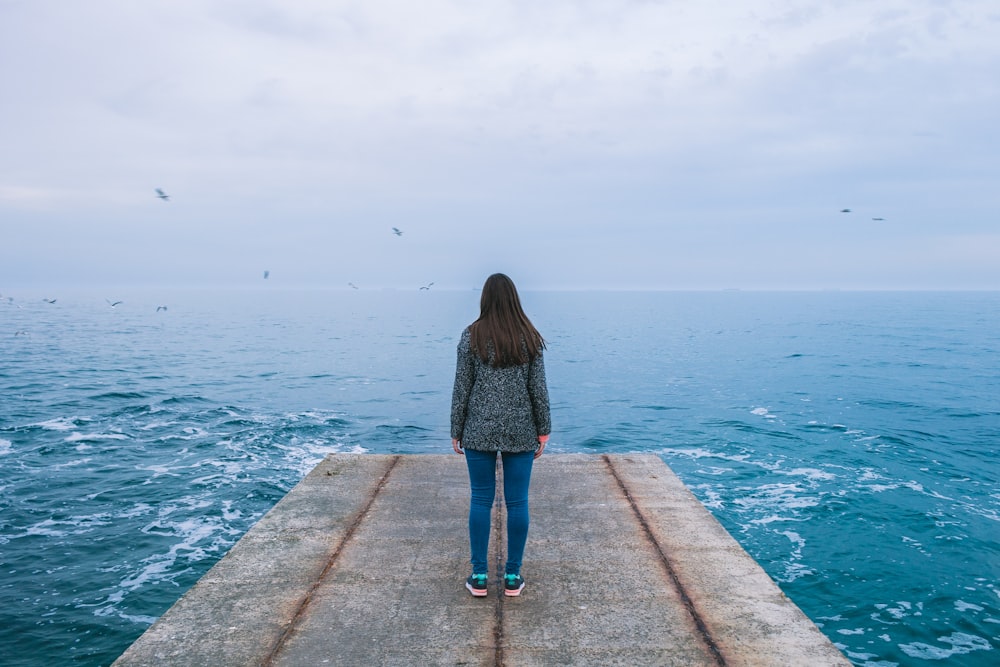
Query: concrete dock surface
364 563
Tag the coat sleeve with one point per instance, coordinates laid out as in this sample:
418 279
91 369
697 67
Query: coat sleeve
538 391
465 375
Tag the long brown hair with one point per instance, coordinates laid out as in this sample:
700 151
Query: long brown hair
503 335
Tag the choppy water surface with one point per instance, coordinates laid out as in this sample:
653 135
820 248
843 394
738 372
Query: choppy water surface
847 440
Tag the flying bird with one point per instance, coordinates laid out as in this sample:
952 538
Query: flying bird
266 274
162 195
427 286
845 210
353 286
49 300
396 231
878 219
159 308
113 304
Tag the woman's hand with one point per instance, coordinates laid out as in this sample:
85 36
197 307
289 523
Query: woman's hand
541 447
457 446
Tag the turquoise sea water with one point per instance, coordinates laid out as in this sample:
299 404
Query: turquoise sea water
847 440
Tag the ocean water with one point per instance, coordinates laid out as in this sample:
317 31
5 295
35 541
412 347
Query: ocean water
847 440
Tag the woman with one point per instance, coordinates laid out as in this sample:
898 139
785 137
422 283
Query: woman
500 403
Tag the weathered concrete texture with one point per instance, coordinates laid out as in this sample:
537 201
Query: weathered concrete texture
364 563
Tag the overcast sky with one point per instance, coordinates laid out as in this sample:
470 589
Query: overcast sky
570 144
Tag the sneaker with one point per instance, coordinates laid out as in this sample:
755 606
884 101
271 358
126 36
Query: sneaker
512 584
476 583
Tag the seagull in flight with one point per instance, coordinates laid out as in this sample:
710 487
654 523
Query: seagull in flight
878 219
353 286
427 286
396 231
159 308
162 195
266 274
49 300
845 210
113 304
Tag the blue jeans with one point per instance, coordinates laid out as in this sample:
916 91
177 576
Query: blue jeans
482 479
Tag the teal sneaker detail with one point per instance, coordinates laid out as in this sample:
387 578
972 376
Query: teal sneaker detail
476 583
512 584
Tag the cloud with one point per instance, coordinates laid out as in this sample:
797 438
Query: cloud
308 121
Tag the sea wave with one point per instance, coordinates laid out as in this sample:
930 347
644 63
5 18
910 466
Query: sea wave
846 441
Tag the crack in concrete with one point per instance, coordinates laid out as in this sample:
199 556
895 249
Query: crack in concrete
330 562
699 622
498 529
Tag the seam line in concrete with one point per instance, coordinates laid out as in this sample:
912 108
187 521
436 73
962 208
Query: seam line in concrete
685 598
330 562
498 528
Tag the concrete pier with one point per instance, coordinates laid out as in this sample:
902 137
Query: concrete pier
364 563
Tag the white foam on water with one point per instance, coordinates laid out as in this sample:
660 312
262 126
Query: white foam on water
710 498
795 539
6 447
227 511
961 605
879 488
60 423
303 456
916 544
228 469
778 497
156 569
960 643
902 610
70 464
795 571
138 620
158 470
771 518
701 453
198 536
76 436
206 480
136 510
809 473
920 488
847 631
763 412
151 425
76 525
793 567
855 655
190 433
46 528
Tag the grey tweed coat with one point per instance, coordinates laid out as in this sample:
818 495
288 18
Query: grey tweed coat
498 409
